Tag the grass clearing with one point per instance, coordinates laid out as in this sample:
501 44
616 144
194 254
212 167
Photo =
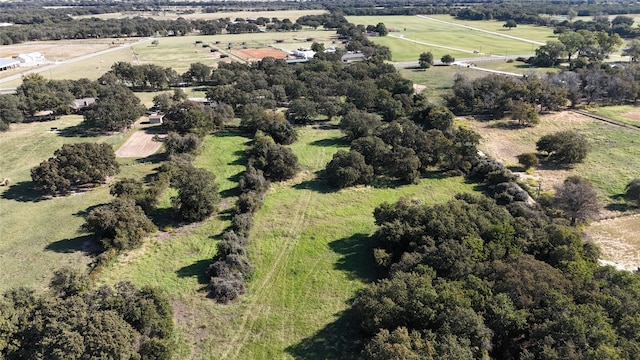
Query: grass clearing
38 236
612 162
438 79
309 249
437 33
624 113
618 239
515 67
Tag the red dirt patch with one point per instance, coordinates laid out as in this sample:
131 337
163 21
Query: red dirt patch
259 54
140 144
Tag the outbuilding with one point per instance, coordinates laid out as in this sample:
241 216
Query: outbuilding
30 59
6 64
156 118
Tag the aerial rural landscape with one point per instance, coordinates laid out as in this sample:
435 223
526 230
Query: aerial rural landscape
319 179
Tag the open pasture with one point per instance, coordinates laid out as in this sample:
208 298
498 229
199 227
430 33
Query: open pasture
442 34
624 113
309 249
613 161
530 32
292 15
618 239
39 236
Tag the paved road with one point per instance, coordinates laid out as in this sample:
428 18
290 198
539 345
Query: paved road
70 61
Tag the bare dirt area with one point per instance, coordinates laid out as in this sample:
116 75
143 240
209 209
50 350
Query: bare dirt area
619 240
259 54
140 144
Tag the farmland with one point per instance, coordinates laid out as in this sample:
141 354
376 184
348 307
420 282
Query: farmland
442 38
310 244
308 247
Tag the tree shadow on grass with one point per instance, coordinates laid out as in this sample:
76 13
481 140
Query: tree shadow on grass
156 158
317 184
86 243
23 191
197 270
357 257
619 203
338 142
241 158
341 339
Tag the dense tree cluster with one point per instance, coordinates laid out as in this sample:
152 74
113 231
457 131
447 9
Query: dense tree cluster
115 109
196 118
73 322
471 279
495 95
401 149
74 165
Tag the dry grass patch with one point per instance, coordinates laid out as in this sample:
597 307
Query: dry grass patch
618 239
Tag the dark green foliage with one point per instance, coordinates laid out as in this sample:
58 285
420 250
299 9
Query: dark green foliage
249 202
68 282
253 179
121 224
301 111
226 289
447 59
577 199
435 117
116 109
528 160
374 150
241 223
97 324
38 94
146 198
254 118
425 60
9 111
348 169
74 165
358 123
193 117
178 144
524 113
632 192
197 195
276 161
564 147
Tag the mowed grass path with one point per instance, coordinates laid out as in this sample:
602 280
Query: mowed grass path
40 236
311 255
437 33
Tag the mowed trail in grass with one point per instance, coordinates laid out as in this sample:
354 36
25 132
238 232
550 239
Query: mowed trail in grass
40 236
449 35
309 248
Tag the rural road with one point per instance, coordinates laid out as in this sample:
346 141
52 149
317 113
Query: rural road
482 30
70 61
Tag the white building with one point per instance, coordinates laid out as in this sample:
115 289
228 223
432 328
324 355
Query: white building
31 59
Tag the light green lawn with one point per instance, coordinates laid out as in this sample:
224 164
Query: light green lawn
624 113
432 32
438 79
39 236
310 253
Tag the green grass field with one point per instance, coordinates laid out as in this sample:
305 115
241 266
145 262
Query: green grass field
624 113
39 236
450 36
612 162
310 253
438 79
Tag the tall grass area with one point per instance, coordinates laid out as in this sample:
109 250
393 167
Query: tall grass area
309 247
39 236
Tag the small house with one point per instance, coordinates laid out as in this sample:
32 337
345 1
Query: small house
78 105
156 118
353 57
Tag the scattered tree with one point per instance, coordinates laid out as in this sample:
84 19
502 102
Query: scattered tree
348 169
524 113
197 195
121 225
425 60
510 24
74 165
447 59
564 147
116 109
632 192
528 160
577 199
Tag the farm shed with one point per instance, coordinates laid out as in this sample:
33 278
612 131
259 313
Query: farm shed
349 58
78 105
156 118
6 64
34 58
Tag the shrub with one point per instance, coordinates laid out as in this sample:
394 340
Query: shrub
528 160
253 180
248 202
241 224
632 193
225 290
